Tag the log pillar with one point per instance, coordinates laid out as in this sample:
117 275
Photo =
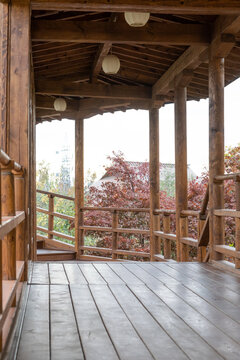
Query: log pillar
79 185
181 182
4 75
19 98
216 152
154 176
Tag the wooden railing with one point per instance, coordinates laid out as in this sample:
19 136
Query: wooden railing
13 247
115 230
226 250
49 240
162 218
164 237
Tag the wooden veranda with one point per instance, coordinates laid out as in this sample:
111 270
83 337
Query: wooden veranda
188 50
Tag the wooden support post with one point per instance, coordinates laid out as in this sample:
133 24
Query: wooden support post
216 152
9 241
19 98
154 175
180 98
20 205
237 221
79 185
4 78
50 216
166 230
114 234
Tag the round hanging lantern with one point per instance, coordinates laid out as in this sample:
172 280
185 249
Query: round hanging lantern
60 104
136 19
111 64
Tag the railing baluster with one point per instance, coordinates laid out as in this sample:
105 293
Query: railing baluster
114 234
184 233
166 230
237 221
50 215
19 205
202 250
1 263
8 209
158 240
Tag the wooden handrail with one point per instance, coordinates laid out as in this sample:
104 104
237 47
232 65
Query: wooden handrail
164 211
225 177
111 209
55 195
5 160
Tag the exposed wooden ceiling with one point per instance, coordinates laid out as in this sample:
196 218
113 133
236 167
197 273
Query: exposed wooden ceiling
68 48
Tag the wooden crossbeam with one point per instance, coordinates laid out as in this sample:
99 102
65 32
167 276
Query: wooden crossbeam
89 107
189 57
102 32
222 43
46 103
103 51
61 88
196 7
223 35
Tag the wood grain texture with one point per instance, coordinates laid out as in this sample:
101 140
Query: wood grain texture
136 311
160 6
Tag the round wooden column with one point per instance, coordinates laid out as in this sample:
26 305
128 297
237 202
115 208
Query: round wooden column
9 241
79 185
154 176
216 152
181 181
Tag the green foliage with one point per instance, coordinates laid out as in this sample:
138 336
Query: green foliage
47 182
168 184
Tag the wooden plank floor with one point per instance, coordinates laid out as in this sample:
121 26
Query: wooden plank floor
125 311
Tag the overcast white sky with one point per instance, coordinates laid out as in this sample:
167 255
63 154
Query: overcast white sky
128 132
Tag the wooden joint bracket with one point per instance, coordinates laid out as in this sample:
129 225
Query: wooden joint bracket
184 78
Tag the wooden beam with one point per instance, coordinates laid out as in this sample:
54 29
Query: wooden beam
61 88
42 113
46 103
102 32
223 36
97 64
189 58
103 51
214 7
221 45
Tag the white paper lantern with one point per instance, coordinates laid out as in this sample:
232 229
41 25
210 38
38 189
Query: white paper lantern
136 19
111 64
60 104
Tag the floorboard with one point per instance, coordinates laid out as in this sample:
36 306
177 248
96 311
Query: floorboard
65 340
130 311
34 342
